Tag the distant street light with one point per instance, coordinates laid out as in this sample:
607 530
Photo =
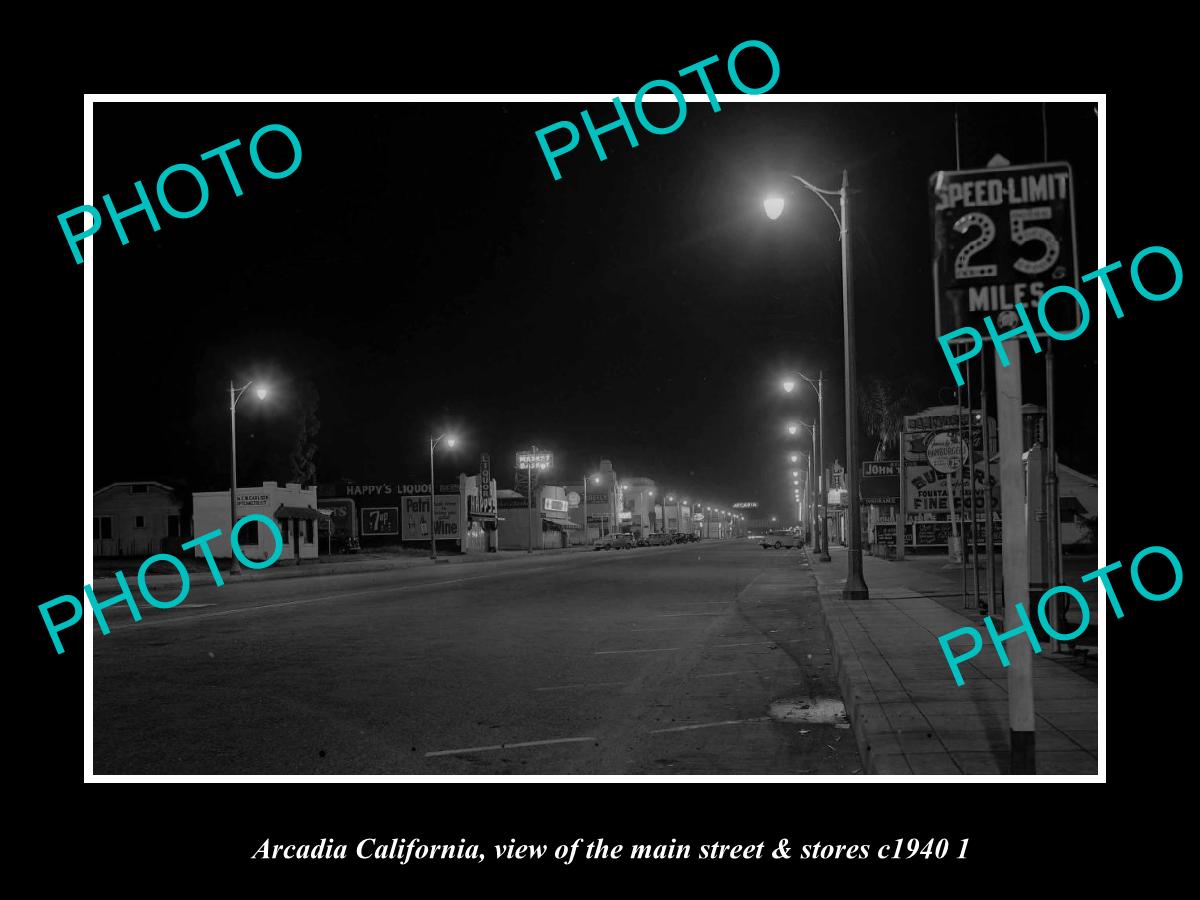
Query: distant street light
789 385
235 394
856 585
793 428
433 442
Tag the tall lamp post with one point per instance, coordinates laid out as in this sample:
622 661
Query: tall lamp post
587 533
235 394
433 442
812 486
856 585
789 385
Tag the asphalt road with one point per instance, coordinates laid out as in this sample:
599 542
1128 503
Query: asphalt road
703 658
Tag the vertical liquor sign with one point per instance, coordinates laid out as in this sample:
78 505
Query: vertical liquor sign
486 500
1003 236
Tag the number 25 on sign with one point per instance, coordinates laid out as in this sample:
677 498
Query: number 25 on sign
1002 236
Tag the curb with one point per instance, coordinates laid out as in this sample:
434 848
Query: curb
850 698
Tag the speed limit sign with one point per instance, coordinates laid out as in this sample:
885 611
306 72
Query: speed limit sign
1002 236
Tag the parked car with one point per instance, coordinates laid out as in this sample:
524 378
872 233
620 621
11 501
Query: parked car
682 537
660 539
619 541
780 540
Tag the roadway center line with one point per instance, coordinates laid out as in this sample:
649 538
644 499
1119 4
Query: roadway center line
245 609
744 672
675 615
746 644
758 721
596 684
574 740
649 650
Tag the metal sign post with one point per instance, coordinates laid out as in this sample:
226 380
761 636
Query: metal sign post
530 460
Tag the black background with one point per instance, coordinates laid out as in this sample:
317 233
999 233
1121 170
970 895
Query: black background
162 836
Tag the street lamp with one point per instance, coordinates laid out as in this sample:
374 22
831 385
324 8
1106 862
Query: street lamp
793 428
789 385
812 486
433 442
856 585
235 394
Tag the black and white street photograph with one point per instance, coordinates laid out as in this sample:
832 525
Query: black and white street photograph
741 435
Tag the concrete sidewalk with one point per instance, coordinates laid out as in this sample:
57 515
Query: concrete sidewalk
907 713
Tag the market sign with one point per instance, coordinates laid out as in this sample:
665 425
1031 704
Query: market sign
534 459
553 505
1002 236
745 505
945 452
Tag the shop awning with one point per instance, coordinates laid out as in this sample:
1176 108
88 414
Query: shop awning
563 524
297 512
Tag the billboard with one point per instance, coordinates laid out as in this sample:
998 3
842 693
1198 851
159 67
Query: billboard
416 520
341 516
379 520
926 491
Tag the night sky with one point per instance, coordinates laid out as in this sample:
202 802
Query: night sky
424 272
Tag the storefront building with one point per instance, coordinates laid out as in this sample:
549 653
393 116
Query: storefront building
639 514
289 507
603 505
545 524
137 518
378 514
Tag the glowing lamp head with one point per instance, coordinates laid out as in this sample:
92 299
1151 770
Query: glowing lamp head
773 207
450 441
789 385
792 429
261 392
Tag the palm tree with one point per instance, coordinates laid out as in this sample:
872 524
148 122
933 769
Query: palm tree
882 408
